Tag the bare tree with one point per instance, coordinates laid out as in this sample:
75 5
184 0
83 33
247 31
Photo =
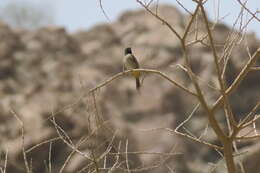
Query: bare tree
27 15
230 135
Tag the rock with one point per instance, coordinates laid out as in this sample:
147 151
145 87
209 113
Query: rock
49 71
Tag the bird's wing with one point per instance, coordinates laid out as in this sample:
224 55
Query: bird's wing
135 61
124 67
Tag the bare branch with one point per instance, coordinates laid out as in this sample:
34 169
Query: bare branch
255 68
228 110
5 163
40 144
190 23
70 144
257 117
245 120
103 10
126 156
28 170
248 10
248 137
189 117
180 4
187 136
117 159
159 18
141 70
238 79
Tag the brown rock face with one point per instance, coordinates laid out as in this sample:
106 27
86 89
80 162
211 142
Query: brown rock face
49 71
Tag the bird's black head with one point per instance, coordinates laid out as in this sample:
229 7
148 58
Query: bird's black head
128 50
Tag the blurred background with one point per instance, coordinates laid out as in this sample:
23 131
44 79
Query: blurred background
53 51
84 14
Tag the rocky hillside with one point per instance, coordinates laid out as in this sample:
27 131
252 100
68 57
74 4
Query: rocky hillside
49 71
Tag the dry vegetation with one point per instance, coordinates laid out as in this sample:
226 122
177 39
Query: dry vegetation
115 158
229 137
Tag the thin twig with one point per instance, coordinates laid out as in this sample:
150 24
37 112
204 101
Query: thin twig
248 137
187 136
23 147
245 120
257 117
255 68
159 18
238 79
182 6
69 144
189 117
230 117
5 164
50 153
248 10
103 10
145 153
40 144
126 156
117 159
161 74
187 29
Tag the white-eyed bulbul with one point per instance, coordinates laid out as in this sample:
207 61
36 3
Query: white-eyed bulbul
130 63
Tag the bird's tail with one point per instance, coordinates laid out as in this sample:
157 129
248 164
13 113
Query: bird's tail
138 84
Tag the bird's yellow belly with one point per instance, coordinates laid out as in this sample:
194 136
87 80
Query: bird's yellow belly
136 74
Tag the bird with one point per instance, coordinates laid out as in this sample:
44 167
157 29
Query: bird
130 62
